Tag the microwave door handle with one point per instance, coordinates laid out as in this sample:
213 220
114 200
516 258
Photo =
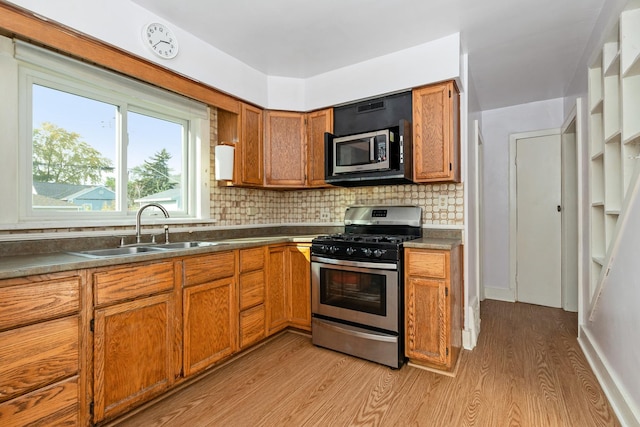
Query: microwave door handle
372 148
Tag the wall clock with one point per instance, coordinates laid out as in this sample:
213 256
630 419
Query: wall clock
160 39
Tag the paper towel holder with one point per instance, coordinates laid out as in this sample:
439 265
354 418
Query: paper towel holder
224 157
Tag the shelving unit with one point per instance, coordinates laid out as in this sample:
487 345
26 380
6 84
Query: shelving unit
614 132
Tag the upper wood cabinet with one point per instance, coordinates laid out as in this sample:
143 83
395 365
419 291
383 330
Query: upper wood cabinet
294 148
285 149
249 150
436 133
318 122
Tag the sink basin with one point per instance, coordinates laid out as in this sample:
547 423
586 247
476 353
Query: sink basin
143 249
185 245
115 252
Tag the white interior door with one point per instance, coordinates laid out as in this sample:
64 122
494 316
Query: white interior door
539 228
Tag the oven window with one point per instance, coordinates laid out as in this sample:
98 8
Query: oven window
365 292
354 152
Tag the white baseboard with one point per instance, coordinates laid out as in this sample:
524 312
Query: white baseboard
471 332
627 414
500 294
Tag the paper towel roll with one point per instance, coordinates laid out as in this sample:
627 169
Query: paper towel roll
224 162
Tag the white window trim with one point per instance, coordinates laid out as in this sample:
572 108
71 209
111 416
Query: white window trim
31 62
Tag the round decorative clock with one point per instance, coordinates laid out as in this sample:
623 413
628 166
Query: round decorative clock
160 39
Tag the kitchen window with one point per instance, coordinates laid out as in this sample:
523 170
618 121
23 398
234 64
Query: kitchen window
95 145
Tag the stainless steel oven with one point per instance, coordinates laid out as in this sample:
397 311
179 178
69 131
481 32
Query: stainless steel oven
357 290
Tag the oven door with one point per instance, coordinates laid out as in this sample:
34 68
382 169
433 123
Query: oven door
365 293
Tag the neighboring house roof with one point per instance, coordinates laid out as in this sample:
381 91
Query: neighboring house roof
174 194
92 193
57 190
44 201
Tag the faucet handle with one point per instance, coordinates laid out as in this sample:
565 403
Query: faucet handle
166 234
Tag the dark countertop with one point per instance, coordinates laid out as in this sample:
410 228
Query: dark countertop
27 265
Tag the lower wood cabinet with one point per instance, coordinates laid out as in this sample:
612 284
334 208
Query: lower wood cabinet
135 345
210 310
299 286
251 277
289 287
42 351
433 302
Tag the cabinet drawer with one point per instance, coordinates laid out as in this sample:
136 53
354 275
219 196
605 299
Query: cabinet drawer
36 299
131 282
251 259
252 325
56 404
36 355
251 289
208 268
427 263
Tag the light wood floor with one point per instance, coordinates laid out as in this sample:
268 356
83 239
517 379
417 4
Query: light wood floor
527 370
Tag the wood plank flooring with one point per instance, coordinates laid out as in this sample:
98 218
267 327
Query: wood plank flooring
527 370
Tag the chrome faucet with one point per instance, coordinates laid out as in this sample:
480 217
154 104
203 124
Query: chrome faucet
139 214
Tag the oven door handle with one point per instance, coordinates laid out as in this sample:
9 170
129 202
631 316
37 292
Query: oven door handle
362 264
366 335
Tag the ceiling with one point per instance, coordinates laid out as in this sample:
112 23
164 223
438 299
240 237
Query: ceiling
519 50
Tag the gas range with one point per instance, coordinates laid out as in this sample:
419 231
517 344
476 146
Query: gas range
372 233
363 247
357 288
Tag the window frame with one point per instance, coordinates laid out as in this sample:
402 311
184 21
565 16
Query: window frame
42 67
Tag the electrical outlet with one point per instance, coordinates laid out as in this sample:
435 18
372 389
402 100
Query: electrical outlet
324 214
252 210
442 203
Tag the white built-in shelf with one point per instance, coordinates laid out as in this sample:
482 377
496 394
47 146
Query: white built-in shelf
611 58
614 134
630 105
595 88
630 41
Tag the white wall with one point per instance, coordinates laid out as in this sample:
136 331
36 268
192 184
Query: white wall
497 125
120 23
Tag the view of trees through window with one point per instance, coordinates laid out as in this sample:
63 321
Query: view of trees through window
78 153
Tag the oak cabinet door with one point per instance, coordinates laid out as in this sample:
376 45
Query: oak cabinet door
299 286
436 135
250 148
276 302
427 325
133 353
210 323
318 122
285 149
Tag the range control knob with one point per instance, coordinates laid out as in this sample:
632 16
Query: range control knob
333 249
350 251
378 253
366 251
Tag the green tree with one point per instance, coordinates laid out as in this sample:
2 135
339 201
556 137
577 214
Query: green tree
153 176
61 156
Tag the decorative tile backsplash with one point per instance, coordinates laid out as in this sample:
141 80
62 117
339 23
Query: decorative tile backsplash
442 204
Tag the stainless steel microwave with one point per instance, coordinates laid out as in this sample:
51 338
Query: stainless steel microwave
363 152
370 158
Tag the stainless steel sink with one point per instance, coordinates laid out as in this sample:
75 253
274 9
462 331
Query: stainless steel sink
115 252
143 249
186 245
